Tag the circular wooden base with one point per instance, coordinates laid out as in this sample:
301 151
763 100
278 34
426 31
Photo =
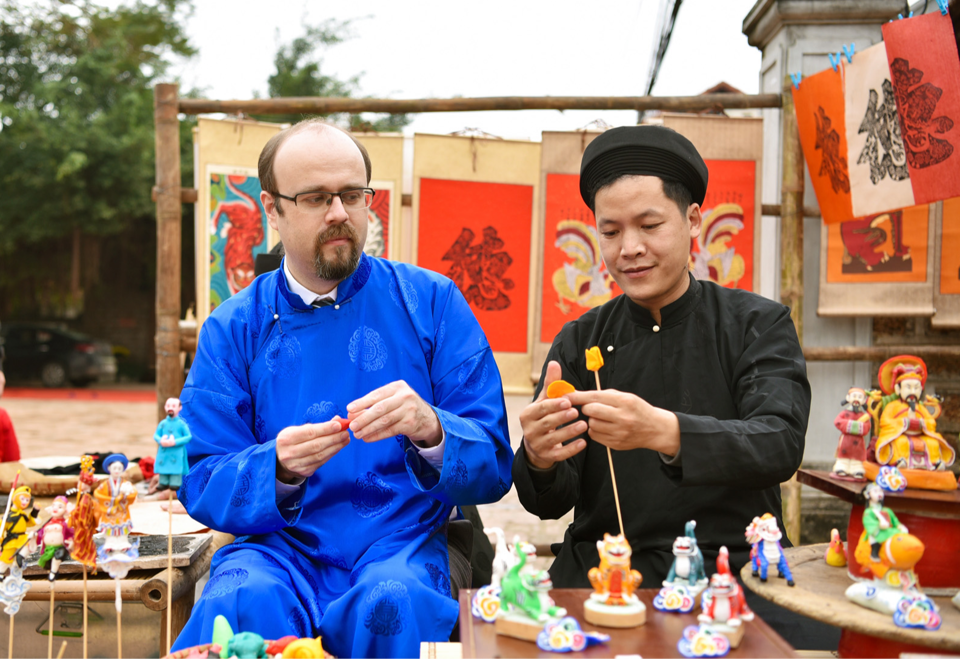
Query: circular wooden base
614 616
518 626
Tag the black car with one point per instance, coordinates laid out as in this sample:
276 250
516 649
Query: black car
55 356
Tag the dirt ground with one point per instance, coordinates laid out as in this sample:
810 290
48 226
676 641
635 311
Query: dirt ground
58 427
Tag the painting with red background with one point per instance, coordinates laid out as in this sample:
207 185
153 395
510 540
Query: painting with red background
478 234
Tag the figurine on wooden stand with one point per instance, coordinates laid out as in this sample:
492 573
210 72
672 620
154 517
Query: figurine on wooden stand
907 427
724 605
525 604
485 603
21 517
764 535
84 519
890 552
687 568
854 424
55 538
613 602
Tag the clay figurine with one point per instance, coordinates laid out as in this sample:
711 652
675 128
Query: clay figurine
703 641
247 646
854 424
906 425
84 518
21 517
524 601
115 496
12 589
835 554
485 603
566 636
613 602
55 538
724 606
172 435
687 569
305 649
891 480
890 552
764 536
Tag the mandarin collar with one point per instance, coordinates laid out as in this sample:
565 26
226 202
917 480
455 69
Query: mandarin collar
346 288
671 314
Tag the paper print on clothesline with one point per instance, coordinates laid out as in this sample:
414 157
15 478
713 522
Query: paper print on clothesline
890 247
378 218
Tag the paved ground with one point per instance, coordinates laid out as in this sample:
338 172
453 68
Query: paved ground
71 426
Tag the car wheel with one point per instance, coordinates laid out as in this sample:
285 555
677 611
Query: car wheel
53 375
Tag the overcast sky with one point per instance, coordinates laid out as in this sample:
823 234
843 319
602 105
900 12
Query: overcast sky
434 48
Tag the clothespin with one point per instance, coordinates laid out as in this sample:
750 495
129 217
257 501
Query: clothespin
900 16
848 51
942 4
796 78
834 60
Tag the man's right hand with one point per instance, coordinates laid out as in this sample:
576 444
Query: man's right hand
302 449
541 421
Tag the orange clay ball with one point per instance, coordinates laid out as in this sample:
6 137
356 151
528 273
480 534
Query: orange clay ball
559 388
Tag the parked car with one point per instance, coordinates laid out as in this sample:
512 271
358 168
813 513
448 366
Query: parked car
55 356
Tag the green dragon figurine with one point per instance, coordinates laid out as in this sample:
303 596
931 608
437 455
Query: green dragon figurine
526 592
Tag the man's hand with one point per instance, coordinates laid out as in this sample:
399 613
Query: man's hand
541 421
624 421
392 410
302 449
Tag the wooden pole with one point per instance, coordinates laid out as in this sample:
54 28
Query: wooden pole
169 218
325 105
791 262
84 611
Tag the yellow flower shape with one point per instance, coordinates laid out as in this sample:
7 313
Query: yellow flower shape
594 359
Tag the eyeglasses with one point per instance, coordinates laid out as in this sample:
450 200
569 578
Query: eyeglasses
352 199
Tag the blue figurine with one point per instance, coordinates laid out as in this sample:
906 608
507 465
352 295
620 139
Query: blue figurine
766 550
172 435
687 569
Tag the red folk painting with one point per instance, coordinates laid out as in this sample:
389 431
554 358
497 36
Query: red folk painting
881 248
478 235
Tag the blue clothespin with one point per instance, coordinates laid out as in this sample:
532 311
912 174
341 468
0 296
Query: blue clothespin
796 78
942 4
848 52
900 16
834 60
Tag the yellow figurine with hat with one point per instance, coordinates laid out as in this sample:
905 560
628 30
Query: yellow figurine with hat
22 516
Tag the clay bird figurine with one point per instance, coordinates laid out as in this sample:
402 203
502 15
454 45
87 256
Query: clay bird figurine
835 555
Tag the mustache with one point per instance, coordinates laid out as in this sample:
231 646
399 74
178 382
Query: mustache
339 231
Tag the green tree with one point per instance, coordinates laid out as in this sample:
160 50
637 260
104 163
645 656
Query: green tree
300 74
76 127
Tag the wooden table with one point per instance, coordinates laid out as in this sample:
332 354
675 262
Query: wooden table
932 516
819 594
657 638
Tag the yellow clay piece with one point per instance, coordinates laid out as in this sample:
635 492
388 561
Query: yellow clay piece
304 649
594 359
559 388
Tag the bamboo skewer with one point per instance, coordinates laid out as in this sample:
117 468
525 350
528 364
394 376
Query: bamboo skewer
63 647
84 612
10 641
119 624
3 530
613 476
169 567
50 624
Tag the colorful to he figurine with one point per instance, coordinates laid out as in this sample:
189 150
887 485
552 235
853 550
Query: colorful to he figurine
566 636
907 427
724 606
84 518
12 589
835 554
485 603
764 536
687 569
525 604
853 421
115 496
613 603
703 641
247 646
21 517
890 552
172 435
304 649
55 538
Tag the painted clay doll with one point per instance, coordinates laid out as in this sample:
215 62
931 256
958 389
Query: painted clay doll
613 602
115 496
55 538
906 424
724 605
172 436
525 604
764 536
84 518
16 534
854 424
687 568
890 552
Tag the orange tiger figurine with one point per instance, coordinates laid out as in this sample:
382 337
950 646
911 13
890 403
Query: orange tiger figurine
613 603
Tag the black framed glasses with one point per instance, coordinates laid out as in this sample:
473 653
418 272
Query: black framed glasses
353 199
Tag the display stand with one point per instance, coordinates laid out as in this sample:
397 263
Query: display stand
657 638
932 516
819 594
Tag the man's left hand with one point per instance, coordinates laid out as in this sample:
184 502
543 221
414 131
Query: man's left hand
392 410
624 421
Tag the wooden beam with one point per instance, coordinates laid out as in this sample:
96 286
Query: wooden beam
169 219
791 267
187 195
325 105
879 352
774 210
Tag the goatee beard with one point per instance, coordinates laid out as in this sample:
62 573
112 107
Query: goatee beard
346 257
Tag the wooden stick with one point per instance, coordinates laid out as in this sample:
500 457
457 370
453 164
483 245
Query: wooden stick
613 476
63 647
119 628
50 622
169 566
10 641
84 612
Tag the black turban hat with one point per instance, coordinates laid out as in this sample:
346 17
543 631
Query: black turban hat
642 150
